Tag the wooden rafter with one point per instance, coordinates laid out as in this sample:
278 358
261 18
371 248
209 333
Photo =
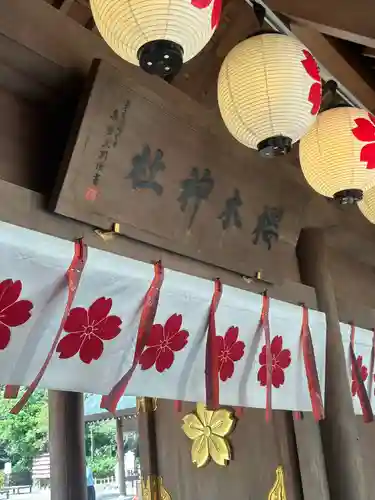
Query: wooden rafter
198 77
345 19
330 57
63 5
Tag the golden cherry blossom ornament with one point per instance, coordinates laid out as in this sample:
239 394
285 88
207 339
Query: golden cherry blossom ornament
278 489
208 430
146 404
154 485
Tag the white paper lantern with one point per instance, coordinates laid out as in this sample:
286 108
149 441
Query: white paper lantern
337 155
160 35
367 204
269 92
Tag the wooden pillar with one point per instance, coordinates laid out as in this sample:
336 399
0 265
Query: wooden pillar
339 430
147 443
67 446
311 459
120 457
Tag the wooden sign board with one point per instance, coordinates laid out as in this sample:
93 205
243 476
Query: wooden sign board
145 156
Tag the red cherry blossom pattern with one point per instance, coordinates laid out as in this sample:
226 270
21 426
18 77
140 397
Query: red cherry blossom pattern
365 132
364 374
281 359
162 343
315 94
87 330
216 9
13 312
230 350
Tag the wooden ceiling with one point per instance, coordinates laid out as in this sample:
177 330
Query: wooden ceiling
340 33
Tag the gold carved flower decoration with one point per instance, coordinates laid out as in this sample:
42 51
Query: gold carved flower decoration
208 431
153 487
278 489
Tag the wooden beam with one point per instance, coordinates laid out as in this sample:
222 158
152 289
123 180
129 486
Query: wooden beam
369 52
343 18
22 142
198 78
27 74
55 36
63 5
81 14
328 55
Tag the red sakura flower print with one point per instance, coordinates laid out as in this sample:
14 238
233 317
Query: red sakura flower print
364 374
281 359
13 312
315 94
216 9
230 350
163 342
87 329
365 132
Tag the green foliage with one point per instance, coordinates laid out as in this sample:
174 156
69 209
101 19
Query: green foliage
24 436
101 447
2 478
102 465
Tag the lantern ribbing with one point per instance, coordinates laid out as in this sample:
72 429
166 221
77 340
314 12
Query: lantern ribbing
269 91
332 157
128 25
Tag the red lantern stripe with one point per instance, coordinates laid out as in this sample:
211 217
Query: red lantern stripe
73 275
149 308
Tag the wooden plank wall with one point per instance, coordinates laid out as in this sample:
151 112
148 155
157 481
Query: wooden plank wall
251 473
189 214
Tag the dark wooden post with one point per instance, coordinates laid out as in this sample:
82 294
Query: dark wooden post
67 446
339 430
120 457
147 443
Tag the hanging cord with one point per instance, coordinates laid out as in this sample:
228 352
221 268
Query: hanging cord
310 367
74 275
178 406
357 377
149 308
329 93
11 391
372 365
266 328
212 358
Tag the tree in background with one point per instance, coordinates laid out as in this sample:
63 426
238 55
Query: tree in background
101 447
24 436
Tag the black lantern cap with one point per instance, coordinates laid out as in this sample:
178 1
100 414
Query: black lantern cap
161 57
279 145
348 196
